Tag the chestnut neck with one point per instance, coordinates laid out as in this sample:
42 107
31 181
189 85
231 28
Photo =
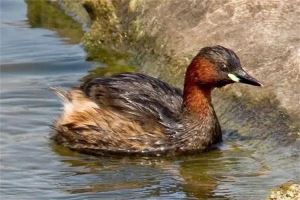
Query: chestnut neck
196 99
196 94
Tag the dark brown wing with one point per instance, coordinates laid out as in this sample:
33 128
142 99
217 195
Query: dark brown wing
138 96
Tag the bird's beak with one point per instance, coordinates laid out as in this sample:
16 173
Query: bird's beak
243 77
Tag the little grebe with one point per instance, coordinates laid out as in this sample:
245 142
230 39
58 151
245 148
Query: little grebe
138 114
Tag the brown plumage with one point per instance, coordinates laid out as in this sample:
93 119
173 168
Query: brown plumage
137 114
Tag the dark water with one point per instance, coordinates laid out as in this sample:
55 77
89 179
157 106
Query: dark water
37 53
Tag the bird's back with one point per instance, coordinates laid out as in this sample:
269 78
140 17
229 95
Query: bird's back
138 95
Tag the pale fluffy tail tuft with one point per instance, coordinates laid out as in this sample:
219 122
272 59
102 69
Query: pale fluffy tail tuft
62 94
66 98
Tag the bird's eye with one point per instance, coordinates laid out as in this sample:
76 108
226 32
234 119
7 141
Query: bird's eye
224 66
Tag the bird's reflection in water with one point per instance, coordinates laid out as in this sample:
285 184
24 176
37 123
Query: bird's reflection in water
193 176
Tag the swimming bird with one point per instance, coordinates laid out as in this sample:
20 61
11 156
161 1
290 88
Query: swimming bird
133 113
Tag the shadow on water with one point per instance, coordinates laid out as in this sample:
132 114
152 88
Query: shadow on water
260 148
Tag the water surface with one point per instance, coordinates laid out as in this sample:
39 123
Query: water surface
37 53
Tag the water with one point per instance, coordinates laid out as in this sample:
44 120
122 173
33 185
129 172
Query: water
37 53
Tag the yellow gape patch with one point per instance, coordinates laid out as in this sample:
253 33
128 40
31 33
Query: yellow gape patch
233 77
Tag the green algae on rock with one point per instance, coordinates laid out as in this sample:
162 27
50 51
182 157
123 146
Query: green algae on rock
75 10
